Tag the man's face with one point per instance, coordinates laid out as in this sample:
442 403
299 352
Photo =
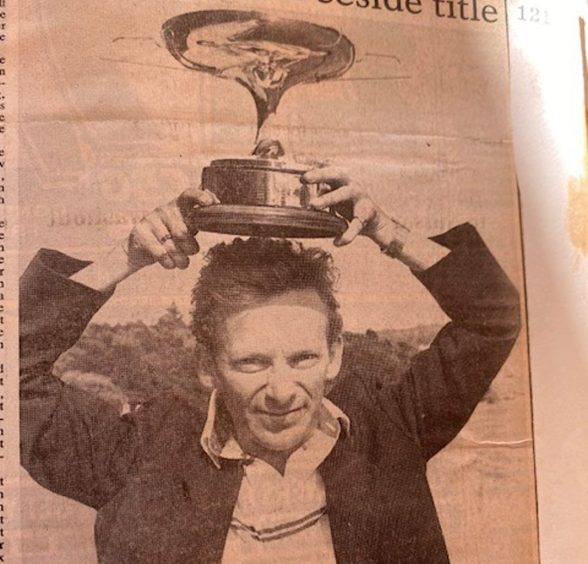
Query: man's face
272 369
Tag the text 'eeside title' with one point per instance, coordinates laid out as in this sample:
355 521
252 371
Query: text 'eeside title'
464 10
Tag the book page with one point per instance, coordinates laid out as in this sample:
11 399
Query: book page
405 434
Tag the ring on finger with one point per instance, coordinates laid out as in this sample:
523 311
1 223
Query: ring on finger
165 238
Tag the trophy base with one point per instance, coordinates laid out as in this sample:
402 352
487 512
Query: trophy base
267 221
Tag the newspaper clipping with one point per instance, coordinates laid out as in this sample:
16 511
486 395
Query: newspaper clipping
271 287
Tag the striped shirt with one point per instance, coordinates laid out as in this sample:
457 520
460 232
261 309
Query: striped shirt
279 518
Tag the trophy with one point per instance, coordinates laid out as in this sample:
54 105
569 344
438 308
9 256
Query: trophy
263 194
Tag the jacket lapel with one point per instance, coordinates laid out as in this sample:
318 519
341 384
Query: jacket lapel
209 497
348 478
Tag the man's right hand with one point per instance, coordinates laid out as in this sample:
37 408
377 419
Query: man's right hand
164 235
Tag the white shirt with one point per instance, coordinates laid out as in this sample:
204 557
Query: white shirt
279 518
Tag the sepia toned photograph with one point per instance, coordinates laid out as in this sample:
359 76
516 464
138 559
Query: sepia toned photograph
271 303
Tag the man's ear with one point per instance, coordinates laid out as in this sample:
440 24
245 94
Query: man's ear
336 358
206 372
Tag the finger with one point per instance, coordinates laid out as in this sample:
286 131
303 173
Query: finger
334 197
355 228
166 240
365 210
146 239
174 221
334 176
323 188
192 197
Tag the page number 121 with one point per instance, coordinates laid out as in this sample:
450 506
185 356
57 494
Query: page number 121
532 14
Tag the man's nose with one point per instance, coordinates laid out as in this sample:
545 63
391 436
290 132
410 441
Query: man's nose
280 393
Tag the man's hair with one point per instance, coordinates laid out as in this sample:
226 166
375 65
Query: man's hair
245 273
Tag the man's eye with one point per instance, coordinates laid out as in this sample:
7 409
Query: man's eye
306 360
251 365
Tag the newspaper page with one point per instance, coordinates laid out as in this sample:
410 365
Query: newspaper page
350 384
550 98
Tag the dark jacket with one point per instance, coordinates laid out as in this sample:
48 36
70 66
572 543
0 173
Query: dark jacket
159 497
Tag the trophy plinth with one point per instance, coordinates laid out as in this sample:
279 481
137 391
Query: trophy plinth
261 196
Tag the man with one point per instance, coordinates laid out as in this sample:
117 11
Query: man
275 471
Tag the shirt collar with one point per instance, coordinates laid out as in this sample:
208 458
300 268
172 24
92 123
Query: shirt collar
217 438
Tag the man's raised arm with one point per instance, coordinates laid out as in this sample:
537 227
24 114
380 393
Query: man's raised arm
71 442
162 236
365 217
436 396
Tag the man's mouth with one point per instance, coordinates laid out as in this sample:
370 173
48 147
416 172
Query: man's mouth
278 420
279 413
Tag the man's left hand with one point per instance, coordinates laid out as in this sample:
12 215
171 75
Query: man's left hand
352 201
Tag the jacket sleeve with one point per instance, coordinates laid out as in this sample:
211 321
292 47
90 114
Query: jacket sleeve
436 396
71 442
